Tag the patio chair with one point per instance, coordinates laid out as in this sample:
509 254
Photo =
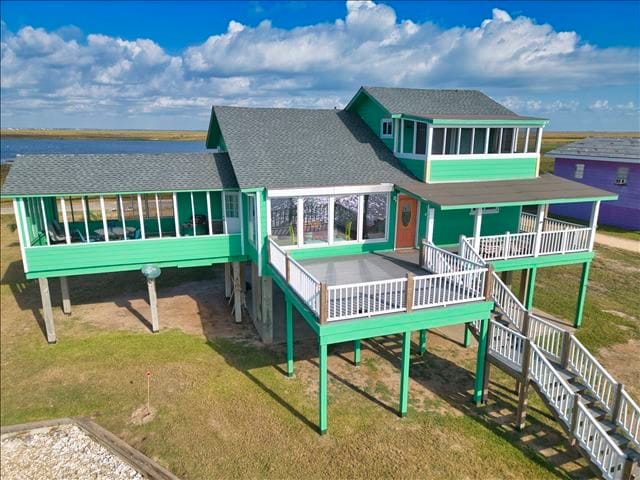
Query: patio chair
56 233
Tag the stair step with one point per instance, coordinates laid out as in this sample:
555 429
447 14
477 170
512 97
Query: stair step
632 454
620 440
588 398
596 412
608 426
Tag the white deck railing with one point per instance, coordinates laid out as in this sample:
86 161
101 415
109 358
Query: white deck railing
508 302
557 237
594 376
601 448
465 250
628 418
548 337
507 344
439 260
448 288
301 281
366 299
557 391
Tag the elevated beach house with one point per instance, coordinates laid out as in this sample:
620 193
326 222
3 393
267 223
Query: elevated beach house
402 212
609 163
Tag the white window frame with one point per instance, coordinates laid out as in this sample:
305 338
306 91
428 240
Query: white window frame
252 222
383 122
622 175
578 171
331 216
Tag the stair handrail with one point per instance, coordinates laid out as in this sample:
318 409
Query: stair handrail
592 373
554 387
466 250
507 344
627 416
547 336
590 435
513 309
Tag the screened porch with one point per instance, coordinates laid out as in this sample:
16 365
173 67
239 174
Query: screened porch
63 220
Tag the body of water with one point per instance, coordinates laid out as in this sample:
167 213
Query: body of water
10 147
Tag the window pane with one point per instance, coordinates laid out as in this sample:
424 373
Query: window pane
167 220
316 220
465 141
579 173
438 141
251 220
494 138
375 216
284 220
421 139
507 140
452 141
345 218
479 139
522 135
387 129
407 146
533 138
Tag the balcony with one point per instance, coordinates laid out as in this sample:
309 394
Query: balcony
555 237
366 285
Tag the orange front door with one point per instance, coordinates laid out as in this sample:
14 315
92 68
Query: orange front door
406 228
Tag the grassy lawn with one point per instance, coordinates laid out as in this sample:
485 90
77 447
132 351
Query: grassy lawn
225 410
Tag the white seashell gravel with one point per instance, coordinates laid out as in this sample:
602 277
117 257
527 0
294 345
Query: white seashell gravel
60 452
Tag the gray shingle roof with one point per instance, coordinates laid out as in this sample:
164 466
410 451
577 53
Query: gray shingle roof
624 148
118 173
297 148
458 104
545 188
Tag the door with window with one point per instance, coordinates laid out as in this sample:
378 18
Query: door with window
232 212
406 228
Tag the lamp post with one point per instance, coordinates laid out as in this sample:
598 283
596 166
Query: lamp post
151 272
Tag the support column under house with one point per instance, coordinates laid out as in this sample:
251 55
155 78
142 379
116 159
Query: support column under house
66 300
47 311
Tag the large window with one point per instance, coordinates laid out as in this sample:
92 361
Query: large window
284 220
345 218
329 219
473 141
437 142
375 216
316 220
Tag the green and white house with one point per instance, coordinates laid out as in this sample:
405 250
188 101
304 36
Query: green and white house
403 212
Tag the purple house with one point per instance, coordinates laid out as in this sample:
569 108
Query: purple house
612 164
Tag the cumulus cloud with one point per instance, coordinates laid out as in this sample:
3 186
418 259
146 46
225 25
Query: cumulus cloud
318 65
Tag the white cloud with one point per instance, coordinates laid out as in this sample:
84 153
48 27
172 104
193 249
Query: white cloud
319 65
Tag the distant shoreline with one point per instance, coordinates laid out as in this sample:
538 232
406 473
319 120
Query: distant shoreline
147 135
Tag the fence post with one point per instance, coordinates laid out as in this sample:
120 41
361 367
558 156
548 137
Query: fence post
629 470
488 284
523 387
507 245
574 421
526 321
288 267
566 348
617 403
324 303
409 292
423 253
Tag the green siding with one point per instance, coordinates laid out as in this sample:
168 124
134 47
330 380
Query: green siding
542 261
117 256
372 114
482 169
414 166
450 224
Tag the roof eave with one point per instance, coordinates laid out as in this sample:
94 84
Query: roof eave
542 122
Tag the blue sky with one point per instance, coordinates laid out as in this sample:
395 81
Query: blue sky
162 64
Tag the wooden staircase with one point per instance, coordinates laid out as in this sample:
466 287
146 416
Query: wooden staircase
599 417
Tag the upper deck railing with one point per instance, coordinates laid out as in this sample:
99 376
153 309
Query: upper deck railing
556 237
451 280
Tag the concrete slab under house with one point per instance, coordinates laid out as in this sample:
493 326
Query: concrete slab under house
408 210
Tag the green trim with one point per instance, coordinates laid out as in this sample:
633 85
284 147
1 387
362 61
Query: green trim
289 327
422 342
356 352
105 194
349 330
479 121
524 202
541 261
531 286
404 373
478 390
466 341
355 98
582 294
322 388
